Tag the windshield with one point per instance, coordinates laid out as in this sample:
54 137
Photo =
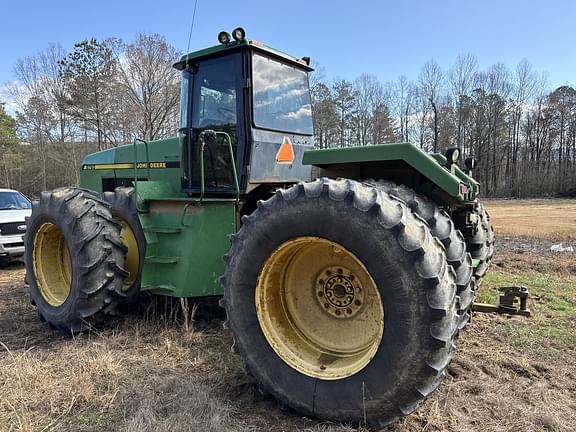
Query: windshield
281 96
215 94
13 201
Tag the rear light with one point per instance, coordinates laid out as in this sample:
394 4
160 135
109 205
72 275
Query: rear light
464 189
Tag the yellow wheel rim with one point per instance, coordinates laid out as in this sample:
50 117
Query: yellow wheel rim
319 308
132 263
52 264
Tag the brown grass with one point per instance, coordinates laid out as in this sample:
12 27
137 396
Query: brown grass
553 219
148 372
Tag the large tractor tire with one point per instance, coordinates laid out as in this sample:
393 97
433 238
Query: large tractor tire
442 227
480 244
123 209
341 302
74 259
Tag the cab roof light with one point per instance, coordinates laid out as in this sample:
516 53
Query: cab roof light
239 34
224 38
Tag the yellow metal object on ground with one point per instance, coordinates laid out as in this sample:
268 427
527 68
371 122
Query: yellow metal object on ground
319 308
132 264
52 264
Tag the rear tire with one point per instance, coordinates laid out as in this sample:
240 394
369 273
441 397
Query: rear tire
442 227
74 259
413 284
480 244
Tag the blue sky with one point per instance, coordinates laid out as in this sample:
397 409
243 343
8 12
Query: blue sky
383 38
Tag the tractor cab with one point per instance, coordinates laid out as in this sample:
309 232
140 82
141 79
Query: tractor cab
245 117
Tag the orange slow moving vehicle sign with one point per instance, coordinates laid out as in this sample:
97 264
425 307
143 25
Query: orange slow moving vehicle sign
285 154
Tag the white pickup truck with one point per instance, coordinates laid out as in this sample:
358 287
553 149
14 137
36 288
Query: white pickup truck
14 208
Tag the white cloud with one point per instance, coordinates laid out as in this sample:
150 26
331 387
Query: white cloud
6 96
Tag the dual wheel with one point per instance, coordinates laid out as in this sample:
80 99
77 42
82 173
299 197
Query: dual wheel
342 302
83 256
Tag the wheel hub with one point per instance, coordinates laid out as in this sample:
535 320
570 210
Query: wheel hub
339 292
52 264
319 308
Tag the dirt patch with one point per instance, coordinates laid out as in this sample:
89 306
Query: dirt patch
528 253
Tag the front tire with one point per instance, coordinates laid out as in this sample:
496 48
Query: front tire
74 259
318 366
123 209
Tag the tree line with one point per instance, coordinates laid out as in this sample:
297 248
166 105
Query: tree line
521 132
100 95
105 93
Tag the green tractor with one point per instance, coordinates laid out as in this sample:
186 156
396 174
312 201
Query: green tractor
345 294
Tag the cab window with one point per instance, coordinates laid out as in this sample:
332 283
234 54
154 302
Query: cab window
214 106
281 97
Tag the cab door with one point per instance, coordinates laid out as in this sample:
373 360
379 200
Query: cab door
216 104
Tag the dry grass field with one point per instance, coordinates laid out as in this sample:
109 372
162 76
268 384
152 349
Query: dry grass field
543 218
148 372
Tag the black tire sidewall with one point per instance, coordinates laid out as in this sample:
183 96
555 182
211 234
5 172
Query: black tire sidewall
123 206
398 365
67 310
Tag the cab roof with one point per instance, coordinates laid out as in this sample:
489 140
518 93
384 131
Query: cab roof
236 45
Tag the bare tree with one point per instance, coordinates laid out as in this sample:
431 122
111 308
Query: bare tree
430 81
152 85
344 96
404 93
367 91
461 79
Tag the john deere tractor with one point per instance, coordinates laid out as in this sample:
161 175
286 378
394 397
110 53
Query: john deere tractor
344 294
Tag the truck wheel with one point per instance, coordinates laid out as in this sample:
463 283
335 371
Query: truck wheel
341 302
123 208
74 259
481 244
442 227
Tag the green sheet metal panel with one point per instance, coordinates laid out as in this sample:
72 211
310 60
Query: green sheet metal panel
155 161
186 242
90 177
412 155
